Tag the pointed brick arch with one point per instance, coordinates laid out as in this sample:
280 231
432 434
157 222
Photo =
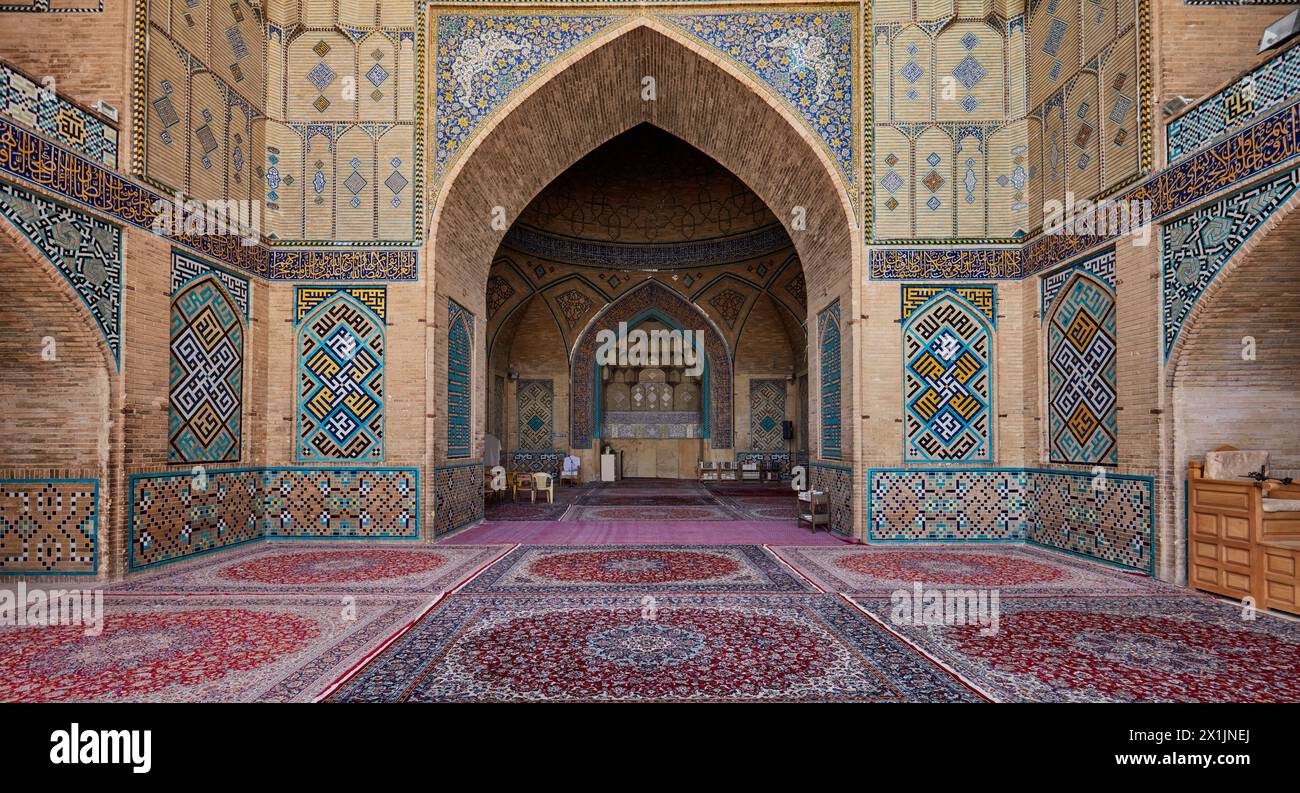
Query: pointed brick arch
593 94
663 303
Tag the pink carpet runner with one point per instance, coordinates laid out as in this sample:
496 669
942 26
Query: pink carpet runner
580 532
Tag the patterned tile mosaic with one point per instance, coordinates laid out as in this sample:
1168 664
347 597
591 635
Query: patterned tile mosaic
1264 88
178 515
481 60
535 404
948 139
1090 116
829 336
49 526
766 412
186 268
457 496
340 374
807 58
1107 517
836 480
1082 390
460 383
1195 248
33 105
948 372
86 250
70 176
205 379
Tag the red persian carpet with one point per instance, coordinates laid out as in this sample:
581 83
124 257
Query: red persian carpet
1014 570
298 566
571 569
627 648
1116 649
201 649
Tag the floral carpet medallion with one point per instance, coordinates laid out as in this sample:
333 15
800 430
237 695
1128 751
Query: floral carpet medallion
297 566
630 648
211 649
637 569
1013 570
1125 649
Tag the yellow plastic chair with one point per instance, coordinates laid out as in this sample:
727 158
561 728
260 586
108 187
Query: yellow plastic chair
543 483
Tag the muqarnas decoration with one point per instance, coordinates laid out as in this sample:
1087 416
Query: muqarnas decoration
341 375
206 375
948 373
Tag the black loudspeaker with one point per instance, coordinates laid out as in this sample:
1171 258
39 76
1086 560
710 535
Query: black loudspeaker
787 430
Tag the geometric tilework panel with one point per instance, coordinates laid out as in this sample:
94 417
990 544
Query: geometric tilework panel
536 415
342 502
85 249
182 514
947 378
837 481
988 504
307 298
1268 86
1089 105
1196 247
38 108
48 525
460 358
1100 265
828 330
766 412
341 382
206 376
537 462
457 496
174 516
1081 387
1109 518
186 268
807 58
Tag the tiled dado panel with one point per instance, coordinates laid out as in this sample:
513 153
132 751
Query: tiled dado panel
49 526
180 514
978 505
1111 519
837 480
457 496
